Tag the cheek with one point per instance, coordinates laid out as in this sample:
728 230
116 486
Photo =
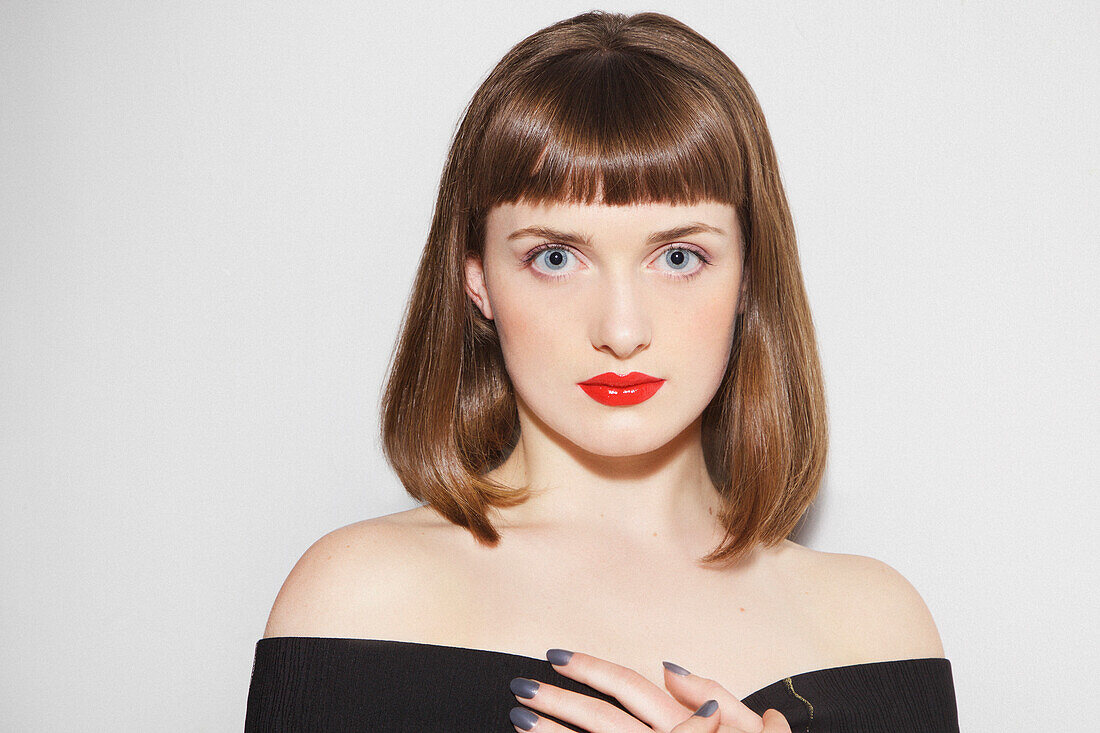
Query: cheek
705 329
721 316
531 332
714 310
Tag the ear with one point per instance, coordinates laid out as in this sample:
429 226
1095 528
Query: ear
475 285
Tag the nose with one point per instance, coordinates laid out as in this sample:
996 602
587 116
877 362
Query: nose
621 321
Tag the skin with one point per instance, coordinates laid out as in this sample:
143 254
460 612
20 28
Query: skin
603 558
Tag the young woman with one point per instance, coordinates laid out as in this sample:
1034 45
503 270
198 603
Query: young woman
607 394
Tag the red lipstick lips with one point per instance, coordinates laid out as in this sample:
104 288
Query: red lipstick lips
614 390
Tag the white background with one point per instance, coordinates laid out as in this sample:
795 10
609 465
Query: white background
210 214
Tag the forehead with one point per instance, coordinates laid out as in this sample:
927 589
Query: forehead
505 218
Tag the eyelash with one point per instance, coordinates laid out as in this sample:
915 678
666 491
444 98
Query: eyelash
530 257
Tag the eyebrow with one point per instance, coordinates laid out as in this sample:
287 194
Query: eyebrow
684 230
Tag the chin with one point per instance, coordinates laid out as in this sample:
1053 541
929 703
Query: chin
621 442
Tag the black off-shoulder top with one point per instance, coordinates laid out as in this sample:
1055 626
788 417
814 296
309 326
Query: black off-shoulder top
329 684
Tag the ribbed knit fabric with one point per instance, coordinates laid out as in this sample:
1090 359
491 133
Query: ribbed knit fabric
326 684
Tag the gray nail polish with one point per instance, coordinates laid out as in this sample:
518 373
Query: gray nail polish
706 709
676 668
558 656
522 718
524 687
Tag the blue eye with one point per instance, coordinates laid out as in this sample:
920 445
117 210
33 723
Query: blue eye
679 260
678 257
555 258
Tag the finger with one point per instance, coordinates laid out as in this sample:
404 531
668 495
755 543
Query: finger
693 690
705 720
587 712
645 701
774 722
529 721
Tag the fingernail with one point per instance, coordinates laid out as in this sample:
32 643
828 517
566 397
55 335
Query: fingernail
675 668
523 687
705 710
558 656
522 718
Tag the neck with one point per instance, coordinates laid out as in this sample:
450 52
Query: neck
662 500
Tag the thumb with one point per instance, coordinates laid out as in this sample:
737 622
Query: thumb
775 722
704 720
692 691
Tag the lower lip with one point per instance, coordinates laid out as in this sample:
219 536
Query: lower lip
621 396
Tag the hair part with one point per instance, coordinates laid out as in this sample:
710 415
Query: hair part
621 110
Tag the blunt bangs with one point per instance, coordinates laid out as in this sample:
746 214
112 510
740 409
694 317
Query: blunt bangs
612 127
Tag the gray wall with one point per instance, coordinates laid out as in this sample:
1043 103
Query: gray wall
209 218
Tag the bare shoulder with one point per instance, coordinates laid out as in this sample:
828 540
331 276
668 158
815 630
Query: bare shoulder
349 581
878 613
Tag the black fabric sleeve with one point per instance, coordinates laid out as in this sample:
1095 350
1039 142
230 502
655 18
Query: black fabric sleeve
323 684
901 696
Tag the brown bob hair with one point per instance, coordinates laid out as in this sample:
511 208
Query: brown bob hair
616 109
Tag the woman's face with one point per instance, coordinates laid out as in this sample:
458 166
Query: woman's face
579 291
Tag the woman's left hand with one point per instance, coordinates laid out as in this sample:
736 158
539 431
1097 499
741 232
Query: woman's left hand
651 708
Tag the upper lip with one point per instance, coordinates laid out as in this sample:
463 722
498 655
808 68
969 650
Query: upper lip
611 379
